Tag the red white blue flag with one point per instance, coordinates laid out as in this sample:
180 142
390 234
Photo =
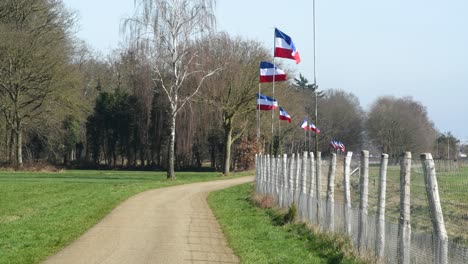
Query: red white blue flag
268 72
266 103
312 127
284 116
284 47
337 145
304 124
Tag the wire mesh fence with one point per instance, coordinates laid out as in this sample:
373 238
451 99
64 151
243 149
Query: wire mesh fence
397 210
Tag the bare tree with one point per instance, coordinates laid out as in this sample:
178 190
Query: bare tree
232 91
34 59
342 118
165 30
400 124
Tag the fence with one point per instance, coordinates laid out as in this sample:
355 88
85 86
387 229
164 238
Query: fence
393 210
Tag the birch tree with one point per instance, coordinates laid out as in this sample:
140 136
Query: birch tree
165 31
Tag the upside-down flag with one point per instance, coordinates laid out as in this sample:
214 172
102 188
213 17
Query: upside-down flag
266 103
304 124
337 145
285 48
268 72
284 116
312 127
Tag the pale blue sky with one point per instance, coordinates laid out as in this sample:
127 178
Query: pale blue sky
371 48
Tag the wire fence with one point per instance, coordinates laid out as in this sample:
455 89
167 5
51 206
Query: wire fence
404 210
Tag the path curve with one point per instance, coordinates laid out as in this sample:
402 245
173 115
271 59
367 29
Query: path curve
168 225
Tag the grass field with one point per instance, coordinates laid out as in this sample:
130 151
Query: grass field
256 237
40 213
453 190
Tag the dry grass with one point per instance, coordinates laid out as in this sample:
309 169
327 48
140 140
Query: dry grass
263 201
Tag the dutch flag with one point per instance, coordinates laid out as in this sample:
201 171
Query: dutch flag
284 47
284 116
268 71
266 103
312 127
304 124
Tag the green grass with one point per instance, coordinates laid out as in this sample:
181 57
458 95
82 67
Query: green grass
256 235
40 213
453 186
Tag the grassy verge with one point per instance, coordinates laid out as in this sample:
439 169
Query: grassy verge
40 213
256 235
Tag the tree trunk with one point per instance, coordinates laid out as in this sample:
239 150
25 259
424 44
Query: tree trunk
171 153
19 148
227 149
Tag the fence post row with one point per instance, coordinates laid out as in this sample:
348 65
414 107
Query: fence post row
440 249
347 193
404 227
331 193
380 221
286 178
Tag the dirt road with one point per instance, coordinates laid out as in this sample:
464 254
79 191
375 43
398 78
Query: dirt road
169 225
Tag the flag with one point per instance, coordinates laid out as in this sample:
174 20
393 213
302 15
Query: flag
312 127
266 103
341 146
304 124
268 71
284 116
337 145
284 47
333 144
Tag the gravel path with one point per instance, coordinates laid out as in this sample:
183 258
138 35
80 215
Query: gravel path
169 225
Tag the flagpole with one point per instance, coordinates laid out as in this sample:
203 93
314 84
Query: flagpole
258 115
310 140
315 82
274 75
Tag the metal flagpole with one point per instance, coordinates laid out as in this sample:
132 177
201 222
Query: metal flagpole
258 115
315 83
273 110
310 140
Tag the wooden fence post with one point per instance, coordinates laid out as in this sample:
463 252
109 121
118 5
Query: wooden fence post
297 178
440 250
256 173
404 227
380 222
264 173
304 172
302 204
310 199
267 172
279 179
291 179
347 193
275 175
363 201
318 186
285 180
331 193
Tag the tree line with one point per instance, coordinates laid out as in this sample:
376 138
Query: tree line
177 95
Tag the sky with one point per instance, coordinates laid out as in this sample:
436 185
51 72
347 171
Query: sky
370 48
